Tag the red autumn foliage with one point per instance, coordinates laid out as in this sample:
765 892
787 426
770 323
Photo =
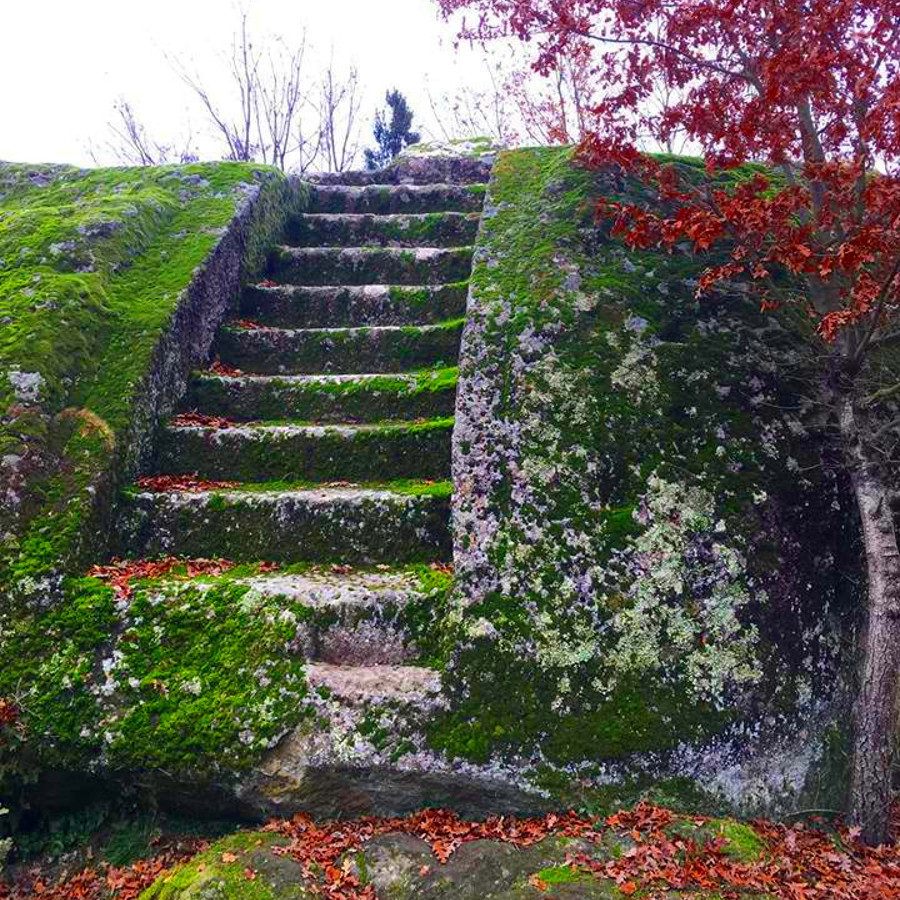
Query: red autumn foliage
121 573
811 88
806 861
184 483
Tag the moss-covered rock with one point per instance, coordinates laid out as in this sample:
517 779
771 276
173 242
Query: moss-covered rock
112 284
649 548
240 867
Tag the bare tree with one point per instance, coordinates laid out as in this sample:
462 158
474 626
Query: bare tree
260 119
340 103
469 112
131 144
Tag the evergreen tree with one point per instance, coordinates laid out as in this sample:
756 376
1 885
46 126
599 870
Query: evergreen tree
392 131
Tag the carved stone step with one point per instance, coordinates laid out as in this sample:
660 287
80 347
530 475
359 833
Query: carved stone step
381 348
400 198
324 306
447 229
293 452
369 265
372 397
323 524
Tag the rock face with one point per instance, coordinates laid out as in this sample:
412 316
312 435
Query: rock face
647 546
649 551
318 445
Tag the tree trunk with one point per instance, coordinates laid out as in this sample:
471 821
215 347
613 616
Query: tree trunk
879 672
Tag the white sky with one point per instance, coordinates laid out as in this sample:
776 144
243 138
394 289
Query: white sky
63 63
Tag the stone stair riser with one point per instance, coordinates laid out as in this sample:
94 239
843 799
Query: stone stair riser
273 352
474 169
448 229
287 527
370 400
296 306
361 265
394 199
259 454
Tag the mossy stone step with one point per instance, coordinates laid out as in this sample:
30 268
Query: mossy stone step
369 265
328 452
443 229
396 198
326 398
360 685
310 524
323 306
461 169
301 351
355 618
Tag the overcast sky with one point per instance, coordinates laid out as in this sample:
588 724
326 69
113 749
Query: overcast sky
64 63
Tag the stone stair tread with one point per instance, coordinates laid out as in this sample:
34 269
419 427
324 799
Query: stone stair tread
394 198
314 429
368 684
353 304
324 379
313 493
361 264
340 250
346 329
323 589
337 216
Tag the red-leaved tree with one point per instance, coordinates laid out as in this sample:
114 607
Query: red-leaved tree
811 88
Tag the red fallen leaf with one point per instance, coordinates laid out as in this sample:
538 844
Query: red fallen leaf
9 712
424 870
217 367
185 483
250 325
267 284
628 888
249 874
121 573
195 419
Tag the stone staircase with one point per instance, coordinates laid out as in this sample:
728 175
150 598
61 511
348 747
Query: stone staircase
330 413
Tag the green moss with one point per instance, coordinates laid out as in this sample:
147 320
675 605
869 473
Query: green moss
608 371
185 682
93 266
743 843
561 875
221 872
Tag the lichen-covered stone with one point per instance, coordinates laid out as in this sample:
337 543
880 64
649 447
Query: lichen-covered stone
648 548
347 452
373 397
381 348
447 229
308 524
305 306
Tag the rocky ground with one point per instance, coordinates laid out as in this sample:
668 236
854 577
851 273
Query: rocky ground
648 852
